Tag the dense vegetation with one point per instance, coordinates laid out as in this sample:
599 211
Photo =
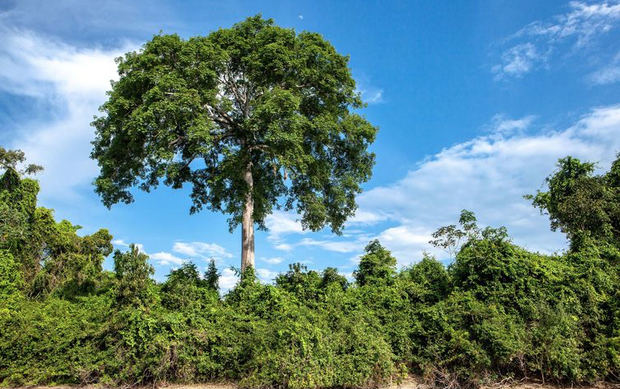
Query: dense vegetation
498 311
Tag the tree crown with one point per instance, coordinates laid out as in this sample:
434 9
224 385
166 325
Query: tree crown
254 97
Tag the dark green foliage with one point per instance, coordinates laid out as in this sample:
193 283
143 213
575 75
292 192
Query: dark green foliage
430 280
331 277
184 287
299 281
212 277
580 203
377 266
253 98
51 255
497 312
133 274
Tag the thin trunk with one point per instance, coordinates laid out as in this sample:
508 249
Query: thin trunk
247 223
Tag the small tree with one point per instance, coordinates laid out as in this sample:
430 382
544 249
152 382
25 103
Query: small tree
581 203
10 159
247 116
212 277
450 238
377 266
133 274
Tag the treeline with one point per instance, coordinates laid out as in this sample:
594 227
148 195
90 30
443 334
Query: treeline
497 312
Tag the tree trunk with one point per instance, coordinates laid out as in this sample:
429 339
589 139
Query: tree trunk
247 222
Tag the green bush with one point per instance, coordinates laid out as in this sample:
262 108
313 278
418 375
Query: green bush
497 312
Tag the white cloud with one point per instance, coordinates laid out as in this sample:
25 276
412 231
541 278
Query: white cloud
165 258
536 42
273 260
373 97
283 246
608 74
300 16
266 275
364 217
228 279
120 242
518 60
338 246
201 250
281 224
489 175
71 80
370 94
407 243
506 126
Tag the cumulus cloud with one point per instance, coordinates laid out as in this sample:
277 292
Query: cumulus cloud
489 175
228 279
533 45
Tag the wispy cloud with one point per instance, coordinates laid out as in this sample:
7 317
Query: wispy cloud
519 60
371 93
608 74
280 224
201 250
503 125
272 260
72 82
372 96
534 45
165 258
338 246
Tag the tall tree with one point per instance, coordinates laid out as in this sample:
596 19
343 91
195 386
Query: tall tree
252 117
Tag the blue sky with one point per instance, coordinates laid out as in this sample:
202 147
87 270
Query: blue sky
475 102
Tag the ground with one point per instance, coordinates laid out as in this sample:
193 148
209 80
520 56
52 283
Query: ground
407 384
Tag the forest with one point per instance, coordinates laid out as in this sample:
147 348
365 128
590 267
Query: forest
257 118
496 312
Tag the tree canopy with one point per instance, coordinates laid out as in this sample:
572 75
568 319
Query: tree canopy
253 117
